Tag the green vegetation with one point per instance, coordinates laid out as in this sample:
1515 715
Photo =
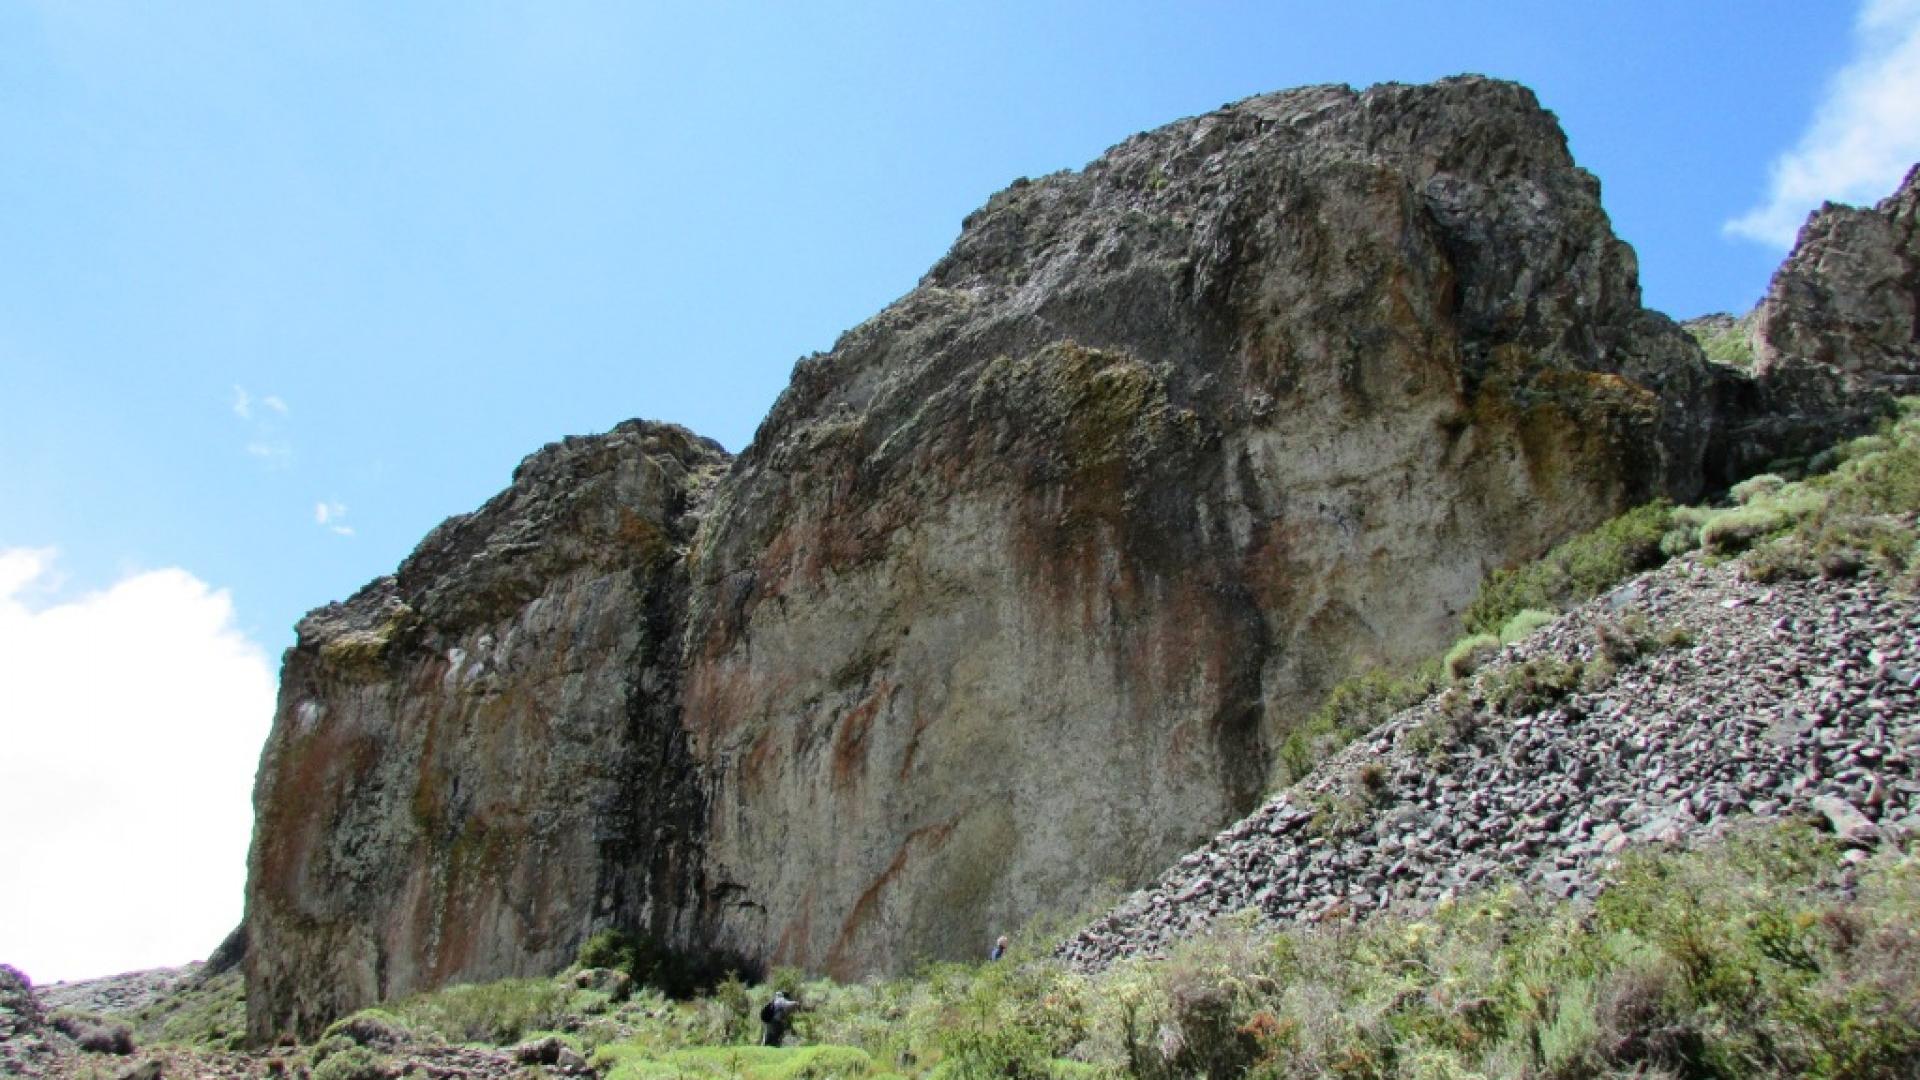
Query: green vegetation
331 1061
497 1012
1469 653
1730 342
1767 955
1524 622
1354 706
731 1062
206 1012
1859 516
1575 571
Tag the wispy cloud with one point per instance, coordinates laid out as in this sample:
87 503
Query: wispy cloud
191 697
1865 133
262 416
327 515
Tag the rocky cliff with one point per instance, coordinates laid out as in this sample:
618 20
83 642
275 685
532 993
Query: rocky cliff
477 761
1014 589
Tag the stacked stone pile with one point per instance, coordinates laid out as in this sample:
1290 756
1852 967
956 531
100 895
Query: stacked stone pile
1749 701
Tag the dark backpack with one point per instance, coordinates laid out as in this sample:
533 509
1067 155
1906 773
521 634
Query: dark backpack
769 1014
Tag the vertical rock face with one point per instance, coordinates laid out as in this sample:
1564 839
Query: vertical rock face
475 762
1848 299
1836 336
1017 586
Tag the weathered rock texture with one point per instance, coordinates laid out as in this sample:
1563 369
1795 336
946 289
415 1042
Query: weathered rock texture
1014 589
476 760
1848 298
1836 336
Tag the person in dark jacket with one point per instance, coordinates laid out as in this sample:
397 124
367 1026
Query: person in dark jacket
999 948
776 1016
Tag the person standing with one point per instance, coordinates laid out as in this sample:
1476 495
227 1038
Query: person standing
999 948
775 1015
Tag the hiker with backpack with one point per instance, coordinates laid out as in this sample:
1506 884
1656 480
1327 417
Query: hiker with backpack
775 1015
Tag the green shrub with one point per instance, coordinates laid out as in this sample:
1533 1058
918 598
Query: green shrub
1469 653
1725 343
499 1013
651 963
629 1061
371 1027
353 1063
93 1033
1578 569
1756 487
1524 622
1354 706
1733 531
1532 685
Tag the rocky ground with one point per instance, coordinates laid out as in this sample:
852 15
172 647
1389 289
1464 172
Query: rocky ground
116 993
1696 697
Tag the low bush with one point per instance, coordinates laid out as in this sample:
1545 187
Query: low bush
374 1028
1468 654
351 1063
1576 570
1353 707
1532 685
95 1034
499 1013
651 963
1524 622
1733 531
1756 487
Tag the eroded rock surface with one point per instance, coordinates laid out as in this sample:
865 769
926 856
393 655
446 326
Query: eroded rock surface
1848 298
1835 338
476 762
1018 585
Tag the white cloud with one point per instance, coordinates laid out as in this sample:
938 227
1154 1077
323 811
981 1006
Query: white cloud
1865 133
265 442
131 721
328 515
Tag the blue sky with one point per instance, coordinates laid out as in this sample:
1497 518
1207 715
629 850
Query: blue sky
286 284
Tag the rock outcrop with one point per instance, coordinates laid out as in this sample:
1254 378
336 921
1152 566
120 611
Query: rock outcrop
1834 340
476 761
1015 588
1848 299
